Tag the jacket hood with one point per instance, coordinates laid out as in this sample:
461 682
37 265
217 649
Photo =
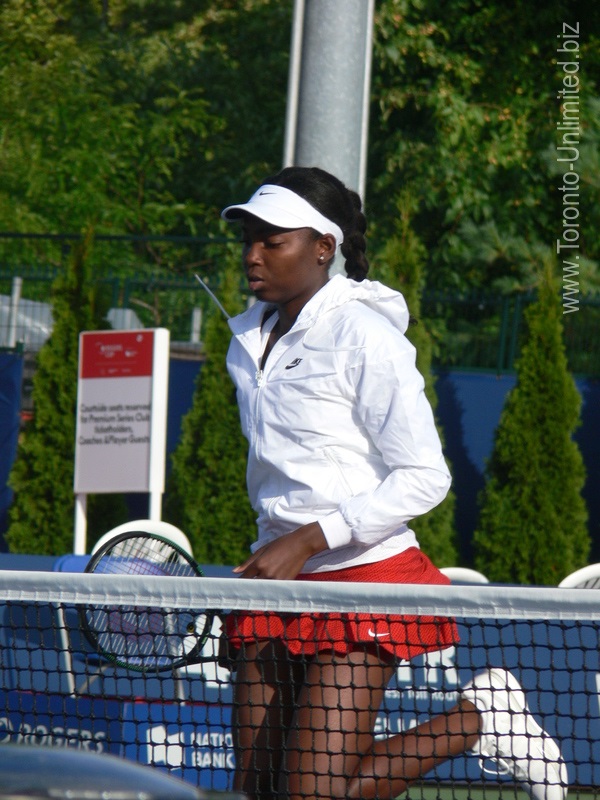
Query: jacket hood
337 292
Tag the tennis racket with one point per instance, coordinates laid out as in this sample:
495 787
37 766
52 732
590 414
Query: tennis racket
146 639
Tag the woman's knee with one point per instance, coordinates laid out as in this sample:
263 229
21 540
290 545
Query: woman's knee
306 786
367 787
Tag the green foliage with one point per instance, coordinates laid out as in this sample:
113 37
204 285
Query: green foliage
532 527
42 514
401 266
465 112
128 115
206 493
94 122
149 116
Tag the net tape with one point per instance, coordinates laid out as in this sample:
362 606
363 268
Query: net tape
56 692
486 602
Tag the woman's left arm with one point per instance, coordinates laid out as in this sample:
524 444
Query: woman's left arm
284 558
391 403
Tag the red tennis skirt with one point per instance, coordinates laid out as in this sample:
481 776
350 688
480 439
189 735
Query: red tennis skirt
402 637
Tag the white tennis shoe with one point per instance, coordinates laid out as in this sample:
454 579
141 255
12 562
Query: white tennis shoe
511 736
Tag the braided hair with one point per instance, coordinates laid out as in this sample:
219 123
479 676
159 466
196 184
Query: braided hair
335 201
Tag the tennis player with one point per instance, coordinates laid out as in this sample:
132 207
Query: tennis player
343 453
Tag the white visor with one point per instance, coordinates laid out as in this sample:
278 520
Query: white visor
284 209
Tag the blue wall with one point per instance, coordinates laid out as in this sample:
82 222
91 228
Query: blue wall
11 377
469 408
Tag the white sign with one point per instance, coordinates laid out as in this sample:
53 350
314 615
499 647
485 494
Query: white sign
121 411
121 429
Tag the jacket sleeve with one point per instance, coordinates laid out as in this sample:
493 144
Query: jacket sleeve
392 406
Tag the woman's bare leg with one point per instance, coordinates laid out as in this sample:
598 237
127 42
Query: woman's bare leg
300 736
333 725
392 764
263 703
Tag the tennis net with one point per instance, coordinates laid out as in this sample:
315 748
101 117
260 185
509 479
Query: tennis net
59 691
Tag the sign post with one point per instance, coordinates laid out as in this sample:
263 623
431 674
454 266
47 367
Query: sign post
121 426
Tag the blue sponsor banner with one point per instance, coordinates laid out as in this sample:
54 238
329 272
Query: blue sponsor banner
58 720
192 742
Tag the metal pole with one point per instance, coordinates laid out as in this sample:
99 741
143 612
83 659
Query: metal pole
15 299
291 121
366 99
328 89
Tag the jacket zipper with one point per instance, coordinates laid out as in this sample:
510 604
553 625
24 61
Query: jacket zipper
260 382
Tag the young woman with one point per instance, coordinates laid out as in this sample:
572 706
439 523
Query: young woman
343 453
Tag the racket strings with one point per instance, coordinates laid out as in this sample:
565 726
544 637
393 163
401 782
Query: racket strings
144 556
139 637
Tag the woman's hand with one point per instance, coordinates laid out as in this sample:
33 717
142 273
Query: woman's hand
284 558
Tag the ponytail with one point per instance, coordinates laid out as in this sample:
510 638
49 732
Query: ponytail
336 202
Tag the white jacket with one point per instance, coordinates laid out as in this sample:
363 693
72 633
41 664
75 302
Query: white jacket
339 428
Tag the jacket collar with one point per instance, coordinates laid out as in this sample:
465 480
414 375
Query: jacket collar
337 292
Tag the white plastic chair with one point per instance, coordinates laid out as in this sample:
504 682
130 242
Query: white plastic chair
160 528
464 575
584 578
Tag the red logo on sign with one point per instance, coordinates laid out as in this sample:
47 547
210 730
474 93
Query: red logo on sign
116 354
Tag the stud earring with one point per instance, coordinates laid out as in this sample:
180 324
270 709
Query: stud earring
321 259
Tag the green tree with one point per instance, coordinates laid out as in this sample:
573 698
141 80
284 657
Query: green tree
465 118
41 518
206 492
400 264
532 527
128 116
93 122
